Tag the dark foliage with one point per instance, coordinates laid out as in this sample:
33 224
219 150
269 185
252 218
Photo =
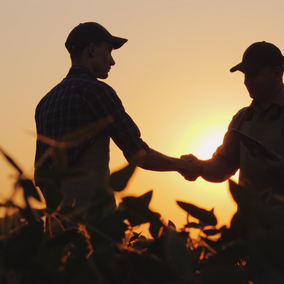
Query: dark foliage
103 246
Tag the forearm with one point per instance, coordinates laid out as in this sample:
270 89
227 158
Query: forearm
156 161
215 171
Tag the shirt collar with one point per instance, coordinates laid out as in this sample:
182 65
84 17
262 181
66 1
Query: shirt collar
278 100
77 69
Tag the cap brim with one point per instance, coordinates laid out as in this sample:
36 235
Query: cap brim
118 42
246 67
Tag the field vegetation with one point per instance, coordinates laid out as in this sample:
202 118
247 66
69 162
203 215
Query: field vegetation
103 243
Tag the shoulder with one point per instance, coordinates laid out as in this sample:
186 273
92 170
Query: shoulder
78 85
241 112
102 87
240 116
98 92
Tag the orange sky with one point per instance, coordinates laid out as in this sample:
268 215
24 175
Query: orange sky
172 76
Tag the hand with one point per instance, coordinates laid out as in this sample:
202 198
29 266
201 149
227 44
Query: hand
273 167
194 168
189 157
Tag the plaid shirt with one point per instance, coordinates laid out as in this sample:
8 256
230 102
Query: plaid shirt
79 100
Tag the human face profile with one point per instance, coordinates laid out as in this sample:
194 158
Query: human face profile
261 85
102 60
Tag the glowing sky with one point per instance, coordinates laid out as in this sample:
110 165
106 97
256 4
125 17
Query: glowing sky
172 76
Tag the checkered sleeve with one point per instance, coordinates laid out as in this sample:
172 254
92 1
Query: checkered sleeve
103 101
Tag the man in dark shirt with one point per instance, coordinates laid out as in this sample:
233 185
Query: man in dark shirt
263 120
80 100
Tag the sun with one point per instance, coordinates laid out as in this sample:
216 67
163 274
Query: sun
203 141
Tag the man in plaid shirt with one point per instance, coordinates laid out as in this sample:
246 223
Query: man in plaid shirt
80 100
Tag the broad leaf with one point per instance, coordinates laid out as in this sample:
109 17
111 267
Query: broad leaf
111 226
171 224
154 228
243 196
140 210
135 236
146 198
203 215
118 180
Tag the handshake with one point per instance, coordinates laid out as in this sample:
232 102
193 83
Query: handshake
192 167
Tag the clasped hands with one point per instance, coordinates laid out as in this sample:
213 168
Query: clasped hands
193 169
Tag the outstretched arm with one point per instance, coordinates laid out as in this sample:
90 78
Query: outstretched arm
157 161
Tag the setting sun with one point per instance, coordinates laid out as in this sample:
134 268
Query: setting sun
203 141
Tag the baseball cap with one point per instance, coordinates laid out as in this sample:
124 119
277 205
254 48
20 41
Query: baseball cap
90 32
259 55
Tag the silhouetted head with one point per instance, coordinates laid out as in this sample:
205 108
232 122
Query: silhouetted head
90 32
259 55
262 65
90 45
